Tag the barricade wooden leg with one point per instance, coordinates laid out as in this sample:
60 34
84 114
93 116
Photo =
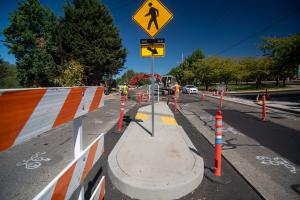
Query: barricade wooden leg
78 146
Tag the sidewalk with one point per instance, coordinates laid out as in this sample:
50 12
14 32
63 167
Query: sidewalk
165 166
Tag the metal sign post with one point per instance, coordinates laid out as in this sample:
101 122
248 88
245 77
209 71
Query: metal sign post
152 95
152 16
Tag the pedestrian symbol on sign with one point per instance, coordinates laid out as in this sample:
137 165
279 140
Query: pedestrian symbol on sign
154 14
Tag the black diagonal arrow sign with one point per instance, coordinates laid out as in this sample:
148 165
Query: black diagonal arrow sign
152 50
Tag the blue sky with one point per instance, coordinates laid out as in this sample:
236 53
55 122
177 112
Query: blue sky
229 28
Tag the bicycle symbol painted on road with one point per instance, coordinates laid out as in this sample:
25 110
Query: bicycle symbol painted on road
276 161
34 162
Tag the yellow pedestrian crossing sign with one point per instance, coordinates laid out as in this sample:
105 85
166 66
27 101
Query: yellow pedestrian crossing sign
152 16
152 50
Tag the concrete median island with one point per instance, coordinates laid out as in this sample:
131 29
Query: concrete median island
165 166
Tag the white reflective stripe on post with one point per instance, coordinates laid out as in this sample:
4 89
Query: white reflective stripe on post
219 122
219 130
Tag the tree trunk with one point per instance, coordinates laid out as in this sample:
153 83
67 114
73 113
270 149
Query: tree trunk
206 86
226 83
277 82
283 81
256 83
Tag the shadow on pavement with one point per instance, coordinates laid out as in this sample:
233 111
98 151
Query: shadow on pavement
227 144
296 188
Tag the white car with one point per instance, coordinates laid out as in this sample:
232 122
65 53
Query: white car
190 89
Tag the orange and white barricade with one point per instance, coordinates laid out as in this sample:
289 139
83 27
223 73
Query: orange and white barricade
27 113
63 186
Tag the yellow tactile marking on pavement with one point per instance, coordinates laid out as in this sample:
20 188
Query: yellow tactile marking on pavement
141 116
168 120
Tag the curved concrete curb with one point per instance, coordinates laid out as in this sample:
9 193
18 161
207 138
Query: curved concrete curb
166 166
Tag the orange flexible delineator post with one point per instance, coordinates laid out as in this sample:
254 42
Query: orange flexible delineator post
218 144
123 99
264 108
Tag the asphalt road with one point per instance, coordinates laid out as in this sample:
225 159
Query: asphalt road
265 153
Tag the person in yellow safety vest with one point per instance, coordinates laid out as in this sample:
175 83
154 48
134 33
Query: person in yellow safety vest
177 90
125 90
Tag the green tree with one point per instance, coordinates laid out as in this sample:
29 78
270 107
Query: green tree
207 70
227 70
258 68
89 36
285 55
188 77
72 75
30 36
185 72
196 55
8 75
177 72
